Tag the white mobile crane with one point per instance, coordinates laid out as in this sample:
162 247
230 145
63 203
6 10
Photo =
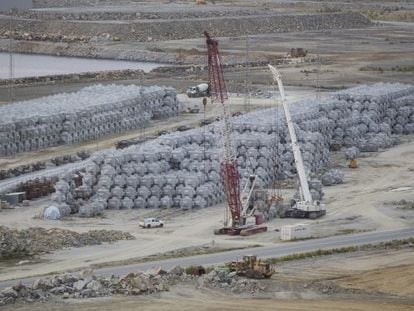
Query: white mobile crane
306 207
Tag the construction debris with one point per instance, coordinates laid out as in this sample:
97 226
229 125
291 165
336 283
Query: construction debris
87 284
37 188
83 285
402 204
223 279
298 52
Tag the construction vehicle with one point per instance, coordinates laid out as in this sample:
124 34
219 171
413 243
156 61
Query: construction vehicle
206 122
163 132
251 267
200 90
132 141
151 223
353 163
194 109
199 2
183 128
305 207
238 205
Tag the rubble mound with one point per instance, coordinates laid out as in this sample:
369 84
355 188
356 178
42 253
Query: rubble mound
20 243
403 204
83 285
87 284
221 278
150 30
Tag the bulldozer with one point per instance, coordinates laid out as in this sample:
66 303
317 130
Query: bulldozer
251 267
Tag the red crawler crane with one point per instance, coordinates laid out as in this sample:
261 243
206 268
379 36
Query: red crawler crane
235 224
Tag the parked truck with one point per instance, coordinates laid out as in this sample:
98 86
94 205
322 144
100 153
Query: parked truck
200 90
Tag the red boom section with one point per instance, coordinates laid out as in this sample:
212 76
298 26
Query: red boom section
230 177
215 71
229 173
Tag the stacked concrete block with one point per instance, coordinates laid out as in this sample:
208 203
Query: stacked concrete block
88 114
332 177
182 170
351 152
377 111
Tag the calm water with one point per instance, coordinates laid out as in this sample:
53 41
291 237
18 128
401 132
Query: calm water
28 65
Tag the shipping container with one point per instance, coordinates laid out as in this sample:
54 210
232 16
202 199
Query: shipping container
294 232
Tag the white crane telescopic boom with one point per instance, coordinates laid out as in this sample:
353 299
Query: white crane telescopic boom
295 146
306 204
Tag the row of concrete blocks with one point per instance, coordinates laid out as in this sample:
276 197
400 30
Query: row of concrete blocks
254 135
88 114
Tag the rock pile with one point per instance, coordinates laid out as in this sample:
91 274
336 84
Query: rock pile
403 204
174 29
82 76
175 12
31 36
93 112
87 285
83 285
183 169
20 243
231 281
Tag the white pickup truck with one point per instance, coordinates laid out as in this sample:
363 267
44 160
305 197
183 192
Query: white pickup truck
151 223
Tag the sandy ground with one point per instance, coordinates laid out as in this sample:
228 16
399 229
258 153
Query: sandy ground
393 280
208 301
377 280
356 205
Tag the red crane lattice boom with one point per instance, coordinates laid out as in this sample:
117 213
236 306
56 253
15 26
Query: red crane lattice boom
229 173
215 71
